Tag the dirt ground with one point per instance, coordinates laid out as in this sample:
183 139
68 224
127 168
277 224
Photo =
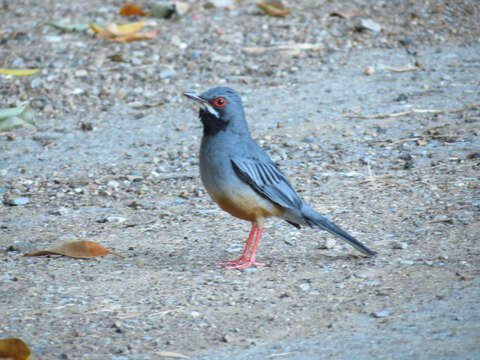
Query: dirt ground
113 159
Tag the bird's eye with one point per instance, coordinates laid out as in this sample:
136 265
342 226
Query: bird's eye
220 102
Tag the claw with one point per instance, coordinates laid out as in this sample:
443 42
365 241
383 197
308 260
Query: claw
243 262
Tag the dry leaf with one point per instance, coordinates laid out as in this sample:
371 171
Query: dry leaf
123 33
14 349
114 30
76 249
18 72
421 142
136 36
132 9
273 8
347 14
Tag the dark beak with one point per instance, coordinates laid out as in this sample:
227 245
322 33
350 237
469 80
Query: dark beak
195 97
204 104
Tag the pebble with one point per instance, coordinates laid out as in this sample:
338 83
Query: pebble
18 201
113 184
222 4
369 24
63 211
227 338
162 10
401 97
304 286
168 73
175 40
330 243
20 246
115 219
222 58
440 218
381 314
369 70
399 245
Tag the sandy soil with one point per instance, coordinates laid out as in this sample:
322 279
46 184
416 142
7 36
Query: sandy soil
114 159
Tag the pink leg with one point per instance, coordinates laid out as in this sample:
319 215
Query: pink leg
251 261
243 258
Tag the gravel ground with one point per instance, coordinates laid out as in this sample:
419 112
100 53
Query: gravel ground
114 159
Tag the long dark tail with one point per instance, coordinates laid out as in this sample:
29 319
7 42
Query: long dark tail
314 219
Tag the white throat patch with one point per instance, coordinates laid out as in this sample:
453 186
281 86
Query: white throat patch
210 109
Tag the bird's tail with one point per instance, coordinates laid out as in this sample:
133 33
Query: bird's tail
314 219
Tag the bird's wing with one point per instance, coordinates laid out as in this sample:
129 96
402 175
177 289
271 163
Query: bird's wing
267 180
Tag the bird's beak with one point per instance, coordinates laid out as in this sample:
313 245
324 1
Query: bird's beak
204 104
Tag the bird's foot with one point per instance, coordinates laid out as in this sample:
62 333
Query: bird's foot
240 264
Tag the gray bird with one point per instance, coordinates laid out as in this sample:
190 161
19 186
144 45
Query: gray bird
242 179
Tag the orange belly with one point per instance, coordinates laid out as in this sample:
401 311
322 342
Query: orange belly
250 208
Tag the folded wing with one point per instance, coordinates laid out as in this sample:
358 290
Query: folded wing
267 180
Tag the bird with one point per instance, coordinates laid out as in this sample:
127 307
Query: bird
242 179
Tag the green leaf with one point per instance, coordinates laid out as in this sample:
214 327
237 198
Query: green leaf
71 27
19 72
14 117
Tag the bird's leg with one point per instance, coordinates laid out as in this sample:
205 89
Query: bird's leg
253 255
243 258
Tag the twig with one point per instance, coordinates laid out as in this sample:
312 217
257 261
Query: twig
402 69
390 142
272 356
414 111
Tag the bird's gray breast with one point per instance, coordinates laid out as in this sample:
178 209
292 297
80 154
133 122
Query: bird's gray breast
216 170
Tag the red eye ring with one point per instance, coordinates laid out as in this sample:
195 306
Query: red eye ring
220 102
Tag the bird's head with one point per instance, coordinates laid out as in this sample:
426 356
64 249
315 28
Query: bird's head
221 108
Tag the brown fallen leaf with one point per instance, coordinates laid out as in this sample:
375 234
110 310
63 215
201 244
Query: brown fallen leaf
113 30
122 33
14 349
273 8
347 14
75 249
135 36
132 9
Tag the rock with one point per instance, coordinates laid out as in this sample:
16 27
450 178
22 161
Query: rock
115 219
399 245
175 40
63 211
330 243
181 8
401 97
304 286
113 184
18 201
167 73
380 314
162 10
221 4
20 246
440 218
226 338
370 25
369 70
222 58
